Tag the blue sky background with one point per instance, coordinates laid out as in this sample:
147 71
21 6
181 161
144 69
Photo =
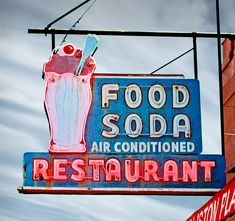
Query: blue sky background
23 123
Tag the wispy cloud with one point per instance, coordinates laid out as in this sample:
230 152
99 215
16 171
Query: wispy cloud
23 124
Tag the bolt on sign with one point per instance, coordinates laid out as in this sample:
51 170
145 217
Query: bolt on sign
219 207
112 133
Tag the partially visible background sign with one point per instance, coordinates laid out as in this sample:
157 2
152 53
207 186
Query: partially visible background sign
220 207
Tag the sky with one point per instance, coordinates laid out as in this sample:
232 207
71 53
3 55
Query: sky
23 123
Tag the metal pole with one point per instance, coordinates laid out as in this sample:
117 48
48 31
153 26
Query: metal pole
133 33
195 57
52 40
220 76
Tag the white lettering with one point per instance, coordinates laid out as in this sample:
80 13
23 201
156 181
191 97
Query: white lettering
94 147
133 103
113 128
180 96
154 121
159 89
109 92
181 123
136 120
116 147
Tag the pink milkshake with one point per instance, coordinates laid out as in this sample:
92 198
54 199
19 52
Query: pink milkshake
67 98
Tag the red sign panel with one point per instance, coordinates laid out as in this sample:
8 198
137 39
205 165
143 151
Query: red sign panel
220 207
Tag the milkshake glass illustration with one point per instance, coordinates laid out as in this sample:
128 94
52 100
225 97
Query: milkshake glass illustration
68 97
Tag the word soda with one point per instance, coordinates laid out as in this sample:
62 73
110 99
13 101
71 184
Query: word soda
133 124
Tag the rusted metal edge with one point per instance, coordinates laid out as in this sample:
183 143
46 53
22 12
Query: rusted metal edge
117 191
230 168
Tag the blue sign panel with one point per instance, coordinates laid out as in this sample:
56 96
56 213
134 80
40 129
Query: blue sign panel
144 115
121 173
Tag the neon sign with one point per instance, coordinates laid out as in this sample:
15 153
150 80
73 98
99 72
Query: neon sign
119 133
144 114
123 174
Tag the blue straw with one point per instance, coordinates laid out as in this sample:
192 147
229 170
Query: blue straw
88 49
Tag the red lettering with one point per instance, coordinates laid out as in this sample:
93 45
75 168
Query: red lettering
60 169
150 170
40 167
113 170
80 172
190 171
96 164
132 174
208 165
170 169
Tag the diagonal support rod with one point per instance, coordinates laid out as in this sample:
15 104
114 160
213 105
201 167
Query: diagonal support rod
172 60
67 13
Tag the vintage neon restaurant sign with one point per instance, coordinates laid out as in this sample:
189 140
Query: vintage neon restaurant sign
219 207
119 133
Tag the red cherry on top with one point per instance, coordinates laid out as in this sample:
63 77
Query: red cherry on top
68 49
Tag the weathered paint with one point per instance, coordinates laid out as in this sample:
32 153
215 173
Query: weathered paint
123 173
144 114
